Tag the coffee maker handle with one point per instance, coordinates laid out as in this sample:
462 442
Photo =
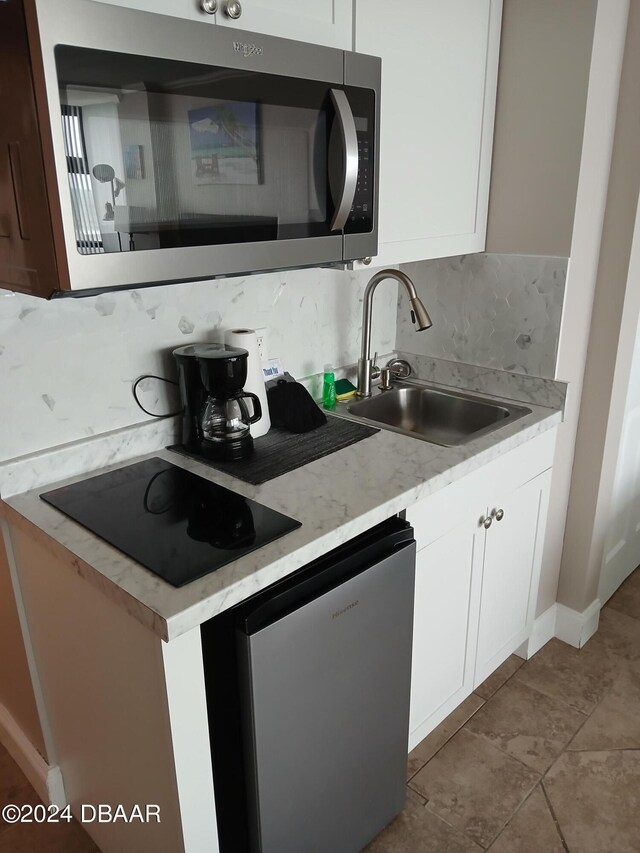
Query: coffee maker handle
257 408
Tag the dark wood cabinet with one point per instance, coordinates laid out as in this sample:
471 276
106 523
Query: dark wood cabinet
28 259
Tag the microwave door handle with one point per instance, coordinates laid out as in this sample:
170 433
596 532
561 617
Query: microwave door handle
349 139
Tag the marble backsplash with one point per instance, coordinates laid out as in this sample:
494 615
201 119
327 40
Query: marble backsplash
71 459
67 366
499 311
518 387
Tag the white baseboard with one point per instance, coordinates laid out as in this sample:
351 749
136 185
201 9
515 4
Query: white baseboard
544 629
576 628
46 780
567 625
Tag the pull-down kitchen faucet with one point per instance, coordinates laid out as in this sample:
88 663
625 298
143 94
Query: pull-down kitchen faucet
419 316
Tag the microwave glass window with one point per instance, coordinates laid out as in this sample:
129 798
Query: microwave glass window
163 154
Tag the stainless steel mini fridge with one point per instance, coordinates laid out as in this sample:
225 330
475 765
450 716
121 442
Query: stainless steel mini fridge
322 681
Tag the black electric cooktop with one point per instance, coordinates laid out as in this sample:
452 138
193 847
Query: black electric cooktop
177 524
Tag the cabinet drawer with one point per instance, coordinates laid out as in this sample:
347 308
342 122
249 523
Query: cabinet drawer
440 512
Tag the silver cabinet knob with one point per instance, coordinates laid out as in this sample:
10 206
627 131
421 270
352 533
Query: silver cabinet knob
209 6
486 522
233 9
498 514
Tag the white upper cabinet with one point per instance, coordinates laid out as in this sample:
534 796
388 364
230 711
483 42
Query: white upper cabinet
439 79
189 9
327 22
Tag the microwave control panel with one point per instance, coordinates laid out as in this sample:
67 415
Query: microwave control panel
361 216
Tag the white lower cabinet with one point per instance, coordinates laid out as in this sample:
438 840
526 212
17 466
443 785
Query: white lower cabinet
476 585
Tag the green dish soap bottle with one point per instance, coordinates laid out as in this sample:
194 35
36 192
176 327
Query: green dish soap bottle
329 388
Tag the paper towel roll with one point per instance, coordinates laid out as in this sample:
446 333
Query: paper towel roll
247 339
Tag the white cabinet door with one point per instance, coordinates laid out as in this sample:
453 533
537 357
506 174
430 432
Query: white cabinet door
189 9
445 603
512 556
328 22
439 77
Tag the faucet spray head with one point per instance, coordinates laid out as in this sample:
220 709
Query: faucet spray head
419 316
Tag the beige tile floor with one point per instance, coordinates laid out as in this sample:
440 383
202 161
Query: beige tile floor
543 758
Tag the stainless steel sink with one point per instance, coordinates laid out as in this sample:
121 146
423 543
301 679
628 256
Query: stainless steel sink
444 417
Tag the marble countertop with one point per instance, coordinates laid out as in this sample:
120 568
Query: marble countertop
334 498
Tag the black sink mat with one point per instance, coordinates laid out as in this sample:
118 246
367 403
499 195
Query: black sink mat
279 451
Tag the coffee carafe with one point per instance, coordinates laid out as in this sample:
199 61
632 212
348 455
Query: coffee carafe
216 419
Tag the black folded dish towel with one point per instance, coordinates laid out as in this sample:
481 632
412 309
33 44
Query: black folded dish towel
293 408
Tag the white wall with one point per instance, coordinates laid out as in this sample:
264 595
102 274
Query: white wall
622 543
608 365
67 365
600 121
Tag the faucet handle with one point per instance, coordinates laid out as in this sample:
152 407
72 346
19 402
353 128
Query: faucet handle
375 370
399 368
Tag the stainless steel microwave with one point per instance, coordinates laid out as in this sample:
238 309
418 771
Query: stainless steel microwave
186 151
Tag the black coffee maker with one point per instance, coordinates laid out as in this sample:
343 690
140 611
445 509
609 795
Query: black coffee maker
216 421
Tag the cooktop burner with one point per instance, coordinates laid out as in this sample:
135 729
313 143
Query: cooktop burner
175 523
